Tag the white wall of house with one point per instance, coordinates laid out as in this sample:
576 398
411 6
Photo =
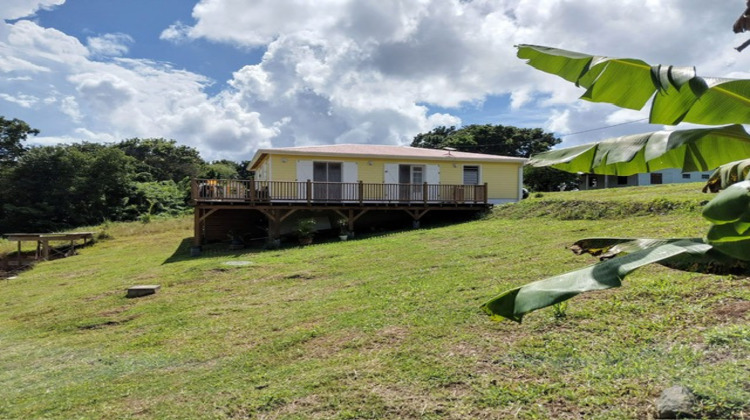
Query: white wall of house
674 176
667 176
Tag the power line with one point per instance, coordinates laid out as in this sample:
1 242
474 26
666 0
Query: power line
602 128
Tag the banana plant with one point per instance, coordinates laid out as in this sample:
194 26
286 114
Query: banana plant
679 94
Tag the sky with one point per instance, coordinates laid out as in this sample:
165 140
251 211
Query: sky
231 76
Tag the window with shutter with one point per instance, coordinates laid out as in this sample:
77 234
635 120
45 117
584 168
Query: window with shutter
471 175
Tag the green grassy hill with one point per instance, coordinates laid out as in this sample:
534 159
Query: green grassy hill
382 327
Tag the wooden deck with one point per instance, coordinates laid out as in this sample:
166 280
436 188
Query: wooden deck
278 200
309 192
43 248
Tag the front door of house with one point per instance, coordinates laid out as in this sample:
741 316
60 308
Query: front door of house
327 178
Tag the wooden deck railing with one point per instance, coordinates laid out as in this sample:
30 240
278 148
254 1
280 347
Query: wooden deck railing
252 191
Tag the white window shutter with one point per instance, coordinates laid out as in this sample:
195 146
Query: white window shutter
304 172
432 177
390 177
350 172
433 174
391 173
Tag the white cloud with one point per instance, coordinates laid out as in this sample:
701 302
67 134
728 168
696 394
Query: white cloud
177 33
624 116
559 122
352 71
26 101
15 9
69 107
109 44
93 100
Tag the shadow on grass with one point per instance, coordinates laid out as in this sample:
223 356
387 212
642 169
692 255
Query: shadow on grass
182 252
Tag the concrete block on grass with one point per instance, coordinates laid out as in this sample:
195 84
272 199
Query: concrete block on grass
142 290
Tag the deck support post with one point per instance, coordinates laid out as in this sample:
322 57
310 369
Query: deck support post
275 217
416 216
199 224
197 231
45 249
351 217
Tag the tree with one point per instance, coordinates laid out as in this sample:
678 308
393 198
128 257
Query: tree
489 139
59 187
12 134
678 95
434 139
163 159
548 179
242 171
221 169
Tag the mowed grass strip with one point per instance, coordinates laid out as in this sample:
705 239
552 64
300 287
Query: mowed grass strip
383 327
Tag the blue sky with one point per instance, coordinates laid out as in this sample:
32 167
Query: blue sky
144 21
230 76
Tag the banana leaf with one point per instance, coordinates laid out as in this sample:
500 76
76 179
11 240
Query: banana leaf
679 93
713 261
699 149
515 303
606 248
729 212
727 175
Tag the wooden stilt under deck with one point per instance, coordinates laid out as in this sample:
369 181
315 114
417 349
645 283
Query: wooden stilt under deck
275 217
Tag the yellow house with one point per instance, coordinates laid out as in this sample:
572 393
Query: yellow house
339 184
393 166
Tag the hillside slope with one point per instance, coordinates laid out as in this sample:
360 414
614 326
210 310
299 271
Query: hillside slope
383 327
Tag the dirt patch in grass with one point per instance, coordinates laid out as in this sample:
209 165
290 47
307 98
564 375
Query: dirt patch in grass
387 337
328 345
733 309
312 405
400 401
303 276
105 324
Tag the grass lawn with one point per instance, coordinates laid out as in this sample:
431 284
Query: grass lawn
381 327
